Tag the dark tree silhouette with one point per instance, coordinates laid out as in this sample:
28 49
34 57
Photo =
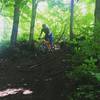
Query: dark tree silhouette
34 7
15 22
71 18
97 11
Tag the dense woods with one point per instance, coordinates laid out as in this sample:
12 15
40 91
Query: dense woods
49 49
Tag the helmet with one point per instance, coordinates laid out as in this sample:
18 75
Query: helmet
44 25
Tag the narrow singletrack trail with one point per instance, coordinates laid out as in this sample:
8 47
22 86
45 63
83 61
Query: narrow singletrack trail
43 75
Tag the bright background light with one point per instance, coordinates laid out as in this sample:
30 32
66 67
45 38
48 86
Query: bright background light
83 9
66 1
42 6
1 26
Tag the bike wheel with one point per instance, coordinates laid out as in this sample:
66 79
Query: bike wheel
43 49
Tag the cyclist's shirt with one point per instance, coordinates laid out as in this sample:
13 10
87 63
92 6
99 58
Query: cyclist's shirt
48 35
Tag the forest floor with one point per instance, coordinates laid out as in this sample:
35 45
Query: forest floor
29 76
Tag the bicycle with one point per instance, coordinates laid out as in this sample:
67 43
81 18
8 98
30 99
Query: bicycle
44 46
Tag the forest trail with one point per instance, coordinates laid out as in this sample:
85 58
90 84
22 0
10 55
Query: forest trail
43 76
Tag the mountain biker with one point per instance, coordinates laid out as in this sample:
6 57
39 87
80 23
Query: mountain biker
48 35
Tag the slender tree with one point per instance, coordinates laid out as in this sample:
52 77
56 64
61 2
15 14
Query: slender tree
15 22
34 7
97 11
71 19
97 24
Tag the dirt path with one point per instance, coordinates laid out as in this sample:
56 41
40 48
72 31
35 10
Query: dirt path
42 75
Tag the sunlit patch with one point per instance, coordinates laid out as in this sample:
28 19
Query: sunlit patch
66 1
42 6
83 9
14 91
25 92
1 23
1 26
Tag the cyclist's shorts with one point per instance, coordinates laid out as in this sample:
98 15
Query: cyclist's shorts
49 38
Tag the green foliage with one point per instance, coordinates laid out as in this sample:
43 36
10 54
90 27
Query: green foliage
87 42
86 79
57 20
97 75
56 16
23 37
87 1
58 3
96 32
87 69
85 92
83 17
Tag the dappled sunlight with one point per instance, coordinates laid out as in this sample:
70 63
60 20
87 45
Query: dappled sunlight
15 91
49 50
1 26
83 9
66 1
42 6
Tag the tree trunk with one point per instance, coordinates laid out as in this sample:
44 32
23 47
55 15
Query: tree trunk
71 19
34 7
15 22
97 24
97 12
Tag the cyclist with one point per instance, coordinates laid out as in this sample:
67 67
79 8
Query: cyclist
48 36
